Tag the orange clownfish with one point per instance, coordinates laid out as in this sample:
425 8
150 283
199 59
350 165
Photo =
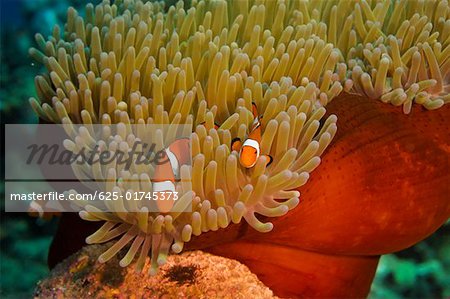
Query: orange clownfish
166 174
250 151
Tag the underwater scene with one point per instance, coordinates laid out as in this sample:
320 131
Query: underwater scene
225 149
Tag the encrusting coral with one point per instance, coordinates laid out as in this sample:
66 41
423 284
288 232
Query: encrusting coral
136 63
190 274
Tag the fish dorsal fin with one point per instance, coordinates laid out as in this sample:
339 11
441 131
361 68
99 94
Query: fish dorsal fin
236 144
254 110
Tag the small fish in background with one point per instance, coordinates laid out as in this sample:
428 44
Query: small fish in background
250 150
166 174
37 209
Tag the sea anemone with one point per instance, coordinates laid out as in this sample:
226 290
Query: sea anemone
135 62
194 73
381 187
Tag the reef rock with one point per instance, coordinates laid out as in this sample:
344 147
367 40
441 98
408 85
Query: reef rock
192 274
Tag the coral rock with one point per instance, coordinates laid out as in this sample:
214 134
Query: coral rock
193 274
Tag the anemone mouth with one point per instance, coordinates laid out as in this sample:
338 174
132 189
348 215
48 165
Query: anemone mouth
135 62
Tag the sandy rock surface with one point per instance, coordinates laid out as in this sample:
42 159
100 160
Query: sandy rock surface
192 274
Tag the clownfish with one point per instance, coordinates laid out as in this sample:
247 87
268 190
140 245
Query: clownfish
166 174
250 150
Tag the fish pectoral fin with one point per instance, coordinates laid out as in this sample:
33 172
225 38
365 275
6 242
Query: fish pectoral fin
269 160
236 144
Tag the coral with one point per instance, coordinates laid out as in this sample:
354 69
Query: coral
191 274
134 63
